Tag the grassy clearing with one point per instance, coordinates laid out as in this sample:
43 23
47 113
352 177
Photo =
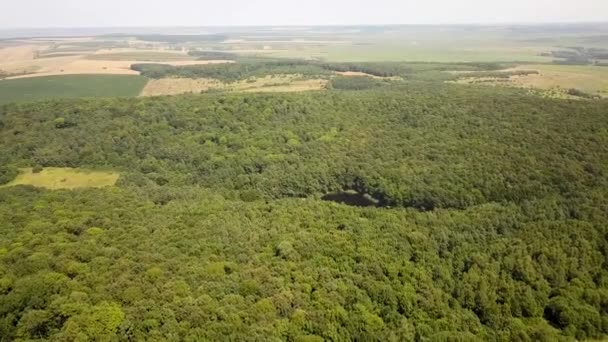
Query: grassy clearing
590 79
54 178
277 83
70 86
293 86
554 80
175 86
281 83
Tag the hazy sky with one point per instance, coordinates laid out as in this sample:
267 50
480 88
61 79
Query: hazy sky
96 13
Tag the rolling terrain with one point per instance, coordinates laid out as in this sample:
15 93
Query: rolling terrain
388 183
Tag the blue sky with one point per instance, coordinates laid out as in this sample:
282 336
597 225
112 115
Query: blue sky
96 13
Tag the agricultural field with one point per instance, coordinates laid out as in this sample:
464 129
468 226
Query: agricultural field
141 55
34 58
70 86
115 54
70 66
54 178
416 51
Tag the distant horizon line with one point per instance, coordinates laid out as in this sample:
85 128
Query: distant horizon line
514 23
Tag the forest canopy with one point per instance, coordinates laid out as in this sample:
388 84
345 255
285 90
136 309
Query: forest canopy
491 225
256 67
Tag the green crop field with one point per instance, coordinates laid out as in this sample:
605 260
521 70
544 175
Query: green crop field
70 86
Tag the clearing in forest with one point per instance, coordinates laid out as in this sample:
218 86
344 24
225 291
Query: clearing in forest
588 78
277 83
175 86
54 178
554 79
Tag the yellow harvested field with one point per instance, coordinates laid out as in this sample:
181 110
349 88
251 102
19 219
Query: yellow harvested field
54 178
73 65
29 66
18 53
34 58
282 83
135 54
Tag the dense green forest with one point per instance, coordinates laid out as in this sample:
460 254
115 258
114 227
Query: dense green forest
491 222
256 67
231 72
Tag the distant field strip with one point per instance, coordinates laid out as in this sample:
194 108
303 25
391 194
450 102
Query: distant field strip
155 56
70 86
71 66
54 178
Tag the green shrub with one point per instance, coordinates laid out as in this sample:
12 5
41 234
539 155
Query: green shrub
7 174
